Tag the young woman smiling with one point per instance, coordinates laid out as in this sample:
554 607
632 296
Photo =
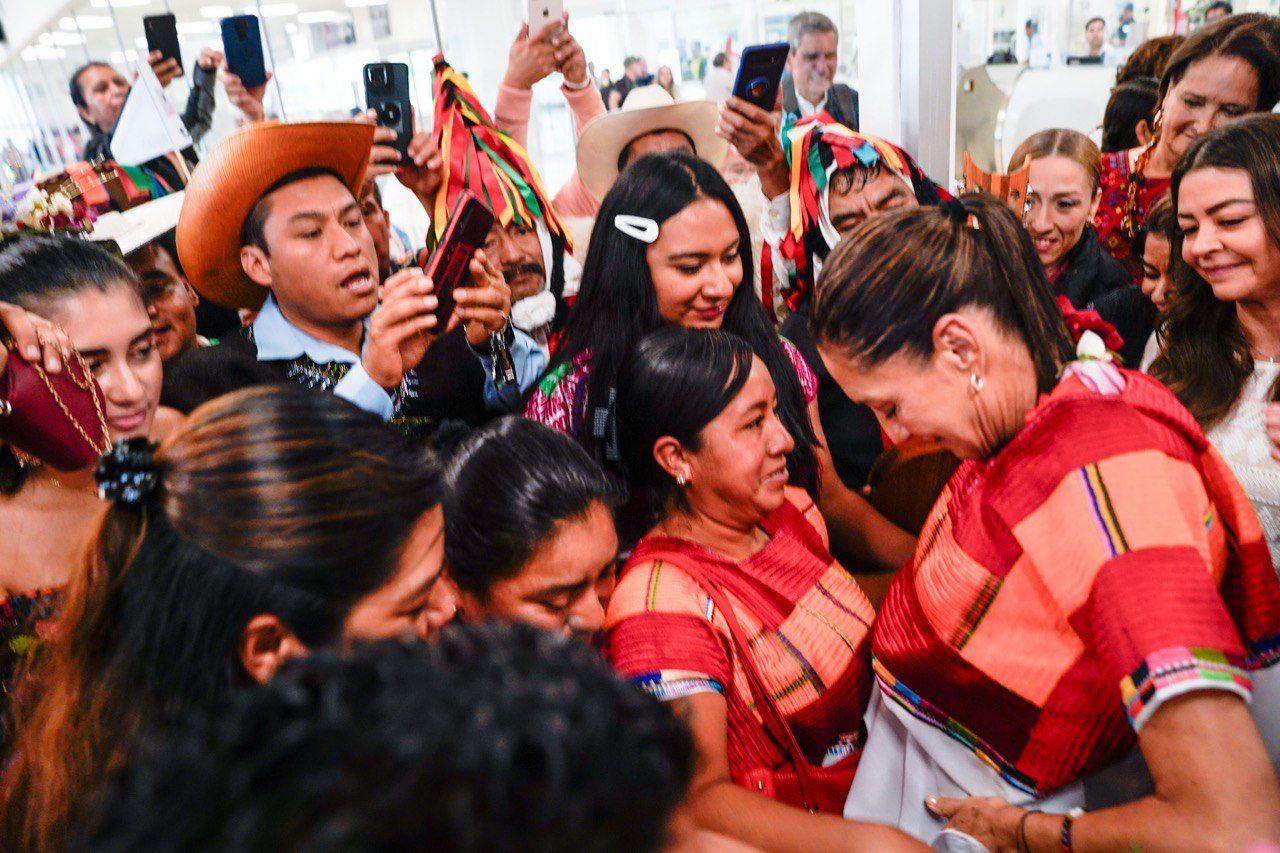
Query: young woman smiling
46 515
1220 73
670 247
1220 341
1062 197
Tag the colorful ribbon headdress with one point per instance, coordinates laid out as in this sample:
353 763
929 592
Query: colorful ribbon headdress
480 157
816 148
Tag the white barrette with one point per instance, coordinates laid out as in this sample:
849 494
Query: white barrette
643 229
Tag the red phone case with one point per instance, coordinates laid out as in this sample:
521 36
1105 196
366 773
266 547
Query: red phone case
469 224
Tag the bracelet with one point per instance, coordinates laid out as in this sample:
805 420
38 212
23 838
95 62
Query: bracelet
1067 820
1022 830
577 87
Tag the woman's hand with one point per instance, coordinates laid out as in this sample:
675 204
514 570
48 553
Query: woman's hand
34 338
987 819
571 59
532 57
1272 423
485 306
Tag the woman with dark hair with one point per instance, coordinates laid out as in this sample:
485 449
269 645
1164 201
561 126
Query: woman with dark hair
1220 336
89 300
1133 311
1062 196
1092 579
528 528
272 522
1130 115
1221 72
1149 59
735 552
671 246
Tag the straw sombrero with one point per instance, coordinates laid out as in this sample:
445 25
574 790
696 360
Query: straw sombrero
646 109
235 174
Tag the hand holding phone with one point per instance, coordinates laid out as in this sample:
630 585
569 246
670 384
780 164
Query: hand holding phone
543 12
448 266
760 74
162 37
242 44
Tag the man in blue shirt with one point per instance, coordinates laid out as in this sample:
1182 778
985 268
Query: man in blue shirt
271 222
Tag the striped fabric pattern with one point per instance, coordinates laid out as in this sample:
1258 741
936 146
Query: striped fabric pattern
1107 546
807 621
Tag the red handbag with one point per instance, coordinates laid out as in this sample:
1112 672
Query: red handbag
815 789
57 418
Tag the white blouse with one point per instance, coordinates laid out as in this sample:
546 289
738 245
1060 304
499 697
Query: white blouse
1241 438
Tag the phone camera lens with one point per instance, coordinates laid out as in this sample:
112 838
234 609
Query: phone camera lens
391 113
757 87
378 77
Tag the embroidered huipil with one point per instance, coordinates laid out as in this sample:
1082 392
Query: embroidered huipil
808 620
1101 563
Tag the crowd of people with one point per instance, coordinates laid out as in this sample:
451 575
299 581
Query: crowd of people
588 552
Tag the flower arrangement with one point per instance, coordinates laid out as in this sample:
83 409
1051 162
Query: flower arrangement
43 211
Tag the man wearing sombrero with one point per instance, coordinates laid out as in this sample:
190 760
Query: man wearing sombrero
822 180
271 222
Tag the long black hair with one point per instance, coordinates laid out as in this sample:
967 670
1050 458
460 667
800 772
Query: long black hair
674 382
617 304
506 490
39 272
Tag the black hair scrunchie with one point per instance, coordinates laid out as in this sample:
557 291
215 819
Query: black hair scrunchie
127 473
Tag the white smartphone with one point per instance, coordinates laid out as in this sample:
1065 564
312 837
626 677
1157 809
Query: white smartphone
543 12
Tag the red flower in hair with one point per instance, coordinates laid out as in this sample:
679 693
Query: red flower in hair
1088 320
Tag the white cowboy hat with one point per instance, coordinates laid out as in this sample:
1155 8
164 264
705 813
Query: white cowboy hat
646 109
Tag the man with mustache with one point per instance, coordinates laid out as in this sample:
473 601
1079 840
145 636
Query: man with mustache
809 85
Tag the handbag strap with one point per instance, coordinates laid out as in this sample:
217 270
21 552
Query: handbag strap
773 720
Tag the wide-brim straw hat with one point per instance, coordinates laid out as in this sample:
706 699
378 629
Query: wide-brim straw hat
235 174
646 109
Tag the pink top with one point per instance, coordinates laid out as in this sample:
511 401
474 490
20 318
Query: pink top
560 400
511 113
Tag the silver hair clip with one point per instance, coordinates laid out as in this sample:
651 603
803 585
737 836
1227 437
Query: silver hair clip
643 229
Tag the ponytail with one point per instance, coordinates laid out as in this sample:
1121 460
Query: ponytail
884 288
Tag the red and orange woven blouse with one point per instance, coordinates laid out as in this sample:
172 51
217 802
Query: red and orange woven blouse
809 622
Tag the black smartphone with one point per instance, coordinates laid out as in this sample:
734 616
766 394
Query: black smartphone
386 92
760 73
469 224
242 45
162 35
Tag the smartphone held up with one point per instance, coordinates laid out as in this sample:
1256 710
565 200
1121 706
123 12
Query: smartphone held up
760 74
386 92
469 224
